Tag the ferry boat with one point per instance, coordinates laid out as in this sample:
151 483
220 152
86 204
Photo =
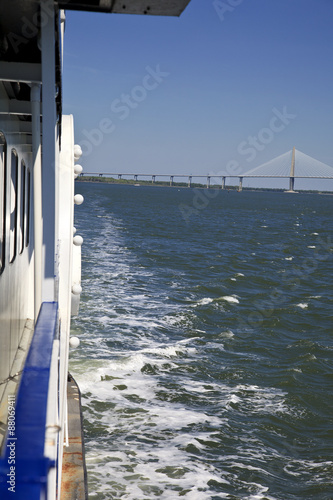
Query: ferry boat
40 254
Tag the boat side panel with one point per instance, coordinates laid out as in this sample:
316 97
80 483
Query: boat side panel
17 264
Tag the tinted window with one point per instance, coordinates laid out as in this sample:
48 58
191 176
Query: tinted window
13 205
22 206
27 230
2 201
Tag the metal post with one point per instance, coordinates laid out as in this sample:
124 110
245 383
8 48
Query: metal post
37 184
223 182
50 142
240 184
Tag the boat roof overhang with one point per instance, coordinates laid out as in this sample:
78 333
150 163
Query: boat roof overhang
150 7
20 37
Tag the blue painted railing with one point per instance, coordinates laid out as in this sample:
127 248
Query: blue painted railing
23 467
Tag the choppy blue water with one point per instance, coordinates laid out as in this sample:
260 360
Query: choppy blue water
206 356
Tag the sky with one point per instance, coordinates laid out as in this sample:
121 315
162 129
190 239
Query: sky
227 86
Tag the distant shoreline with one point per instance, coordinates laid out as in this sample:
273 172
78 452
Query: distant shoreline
184 185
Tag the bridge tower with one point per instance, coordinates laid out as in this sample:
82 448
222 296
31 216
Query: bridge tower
292 173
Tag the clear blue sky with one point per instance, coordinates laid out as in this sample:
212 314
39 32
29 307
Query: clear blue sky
193 94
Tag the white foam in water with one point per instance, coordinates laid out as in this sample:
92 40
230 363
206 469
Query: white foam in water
149 439
160 466
311 246
136 477
234 399
140 469
187 341
170 351
176 417
303 305
131 321
205 301
180 318
160 421
229 298
261 399
198 386
262 495
141 462
227 334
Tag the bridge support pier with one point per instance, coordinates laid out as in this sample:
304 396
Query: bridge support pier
119 176
153 179
208 181
291 184
240 188
171 180
292 173
223 182
135 177
189 181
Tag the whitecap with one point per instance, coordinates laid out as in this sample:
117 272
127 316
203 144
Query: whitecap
169 351
234 399
261 399
240 274
288 258
203 302
297 370
227 334
229 298
311 246
302 305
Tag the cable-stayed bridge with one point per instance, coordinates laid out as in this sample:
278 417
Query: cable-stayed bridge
291 165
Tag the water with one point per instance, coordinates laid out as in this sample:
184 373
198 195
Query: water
205 362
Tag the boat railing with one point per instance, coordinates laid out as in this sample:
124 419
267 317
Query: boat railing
25 468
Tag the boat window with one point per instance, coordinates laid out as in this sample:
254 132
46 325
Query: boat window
27 229
2 201
22 206
13 206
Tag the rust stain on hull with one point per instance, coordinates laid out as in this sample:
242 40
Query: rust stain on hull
74 476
